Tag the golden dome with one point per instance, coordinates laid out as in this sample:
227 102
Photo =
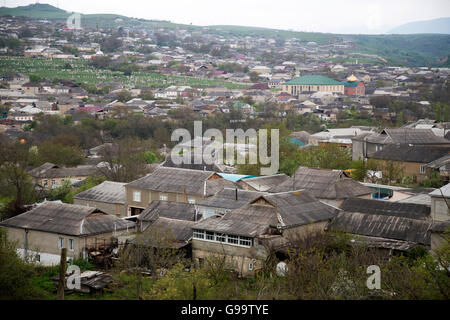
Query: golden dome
352 78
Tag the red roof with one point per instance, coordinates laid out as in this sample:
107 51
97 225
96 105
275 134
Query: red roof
260 86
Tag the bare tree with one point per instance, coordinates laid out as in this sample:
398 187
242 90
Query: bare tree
124 161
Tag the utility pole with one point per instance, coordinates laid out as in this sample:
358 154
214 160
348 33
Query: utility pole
62 273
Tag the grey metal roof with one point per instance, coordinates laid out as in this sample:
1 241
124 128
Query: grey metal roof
265 183
226 198
197 163
177 180
441 162
67 219
422 198
411 153
407 136
166 209
440 226
231 226
107 192
445 190
323 184
405 210
181 229
284 210
383 226
37 172
49 170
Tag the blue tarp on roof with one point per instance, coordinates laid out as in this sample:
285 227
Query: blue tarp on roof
297 142
234 177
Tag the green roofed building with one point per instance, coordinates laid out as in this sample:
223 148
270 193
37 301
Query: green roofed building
312 83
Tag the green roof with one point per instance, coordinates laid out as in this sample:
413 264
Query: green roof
313 80
350 84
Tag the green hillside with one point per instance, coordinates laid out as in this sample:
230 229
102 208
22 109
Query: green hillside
37 11
407 50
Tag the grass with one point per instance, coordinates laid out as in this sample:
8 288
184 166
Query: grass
82 72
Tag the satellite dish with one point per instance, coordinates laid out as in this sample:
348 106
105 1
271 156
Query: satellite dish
282 269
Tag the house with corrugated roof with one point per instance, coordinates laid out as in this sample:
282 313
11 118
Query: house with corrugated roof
172 219
42 232
366 144
329 186
413 159
50 176
244 235
175 185
108 197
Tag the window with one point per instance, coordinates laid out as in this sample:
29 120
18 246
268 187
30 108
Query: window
45 183
71 245
53 184
137 196
163 197
221 238
191 200
422 169
38 258
233 239
61 242
199 234
245 241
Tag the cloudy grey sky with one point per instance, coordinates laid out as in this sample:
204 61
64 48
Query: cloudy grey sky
349 16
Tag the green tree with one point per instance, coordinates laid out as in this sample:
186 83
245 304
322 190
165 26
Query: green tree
147 95
60 154
150 157
123 96
392 171
438 112
15 182
254 76
16 275
35 78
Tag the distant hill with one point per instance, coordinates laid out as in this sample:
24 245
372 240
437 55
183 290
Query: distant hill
407 50
37 11
441 25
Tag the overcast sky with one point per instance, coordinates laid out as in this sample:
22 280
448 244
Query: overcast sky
349 16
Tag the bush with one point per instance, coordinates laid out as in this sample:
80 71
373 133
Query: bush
16 275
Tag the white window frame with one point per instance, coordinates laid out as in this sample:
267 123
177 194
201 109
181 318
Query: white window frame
191 200
423 170
71 245
61 243
232 240
199 234
244 240
211 236
136 195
